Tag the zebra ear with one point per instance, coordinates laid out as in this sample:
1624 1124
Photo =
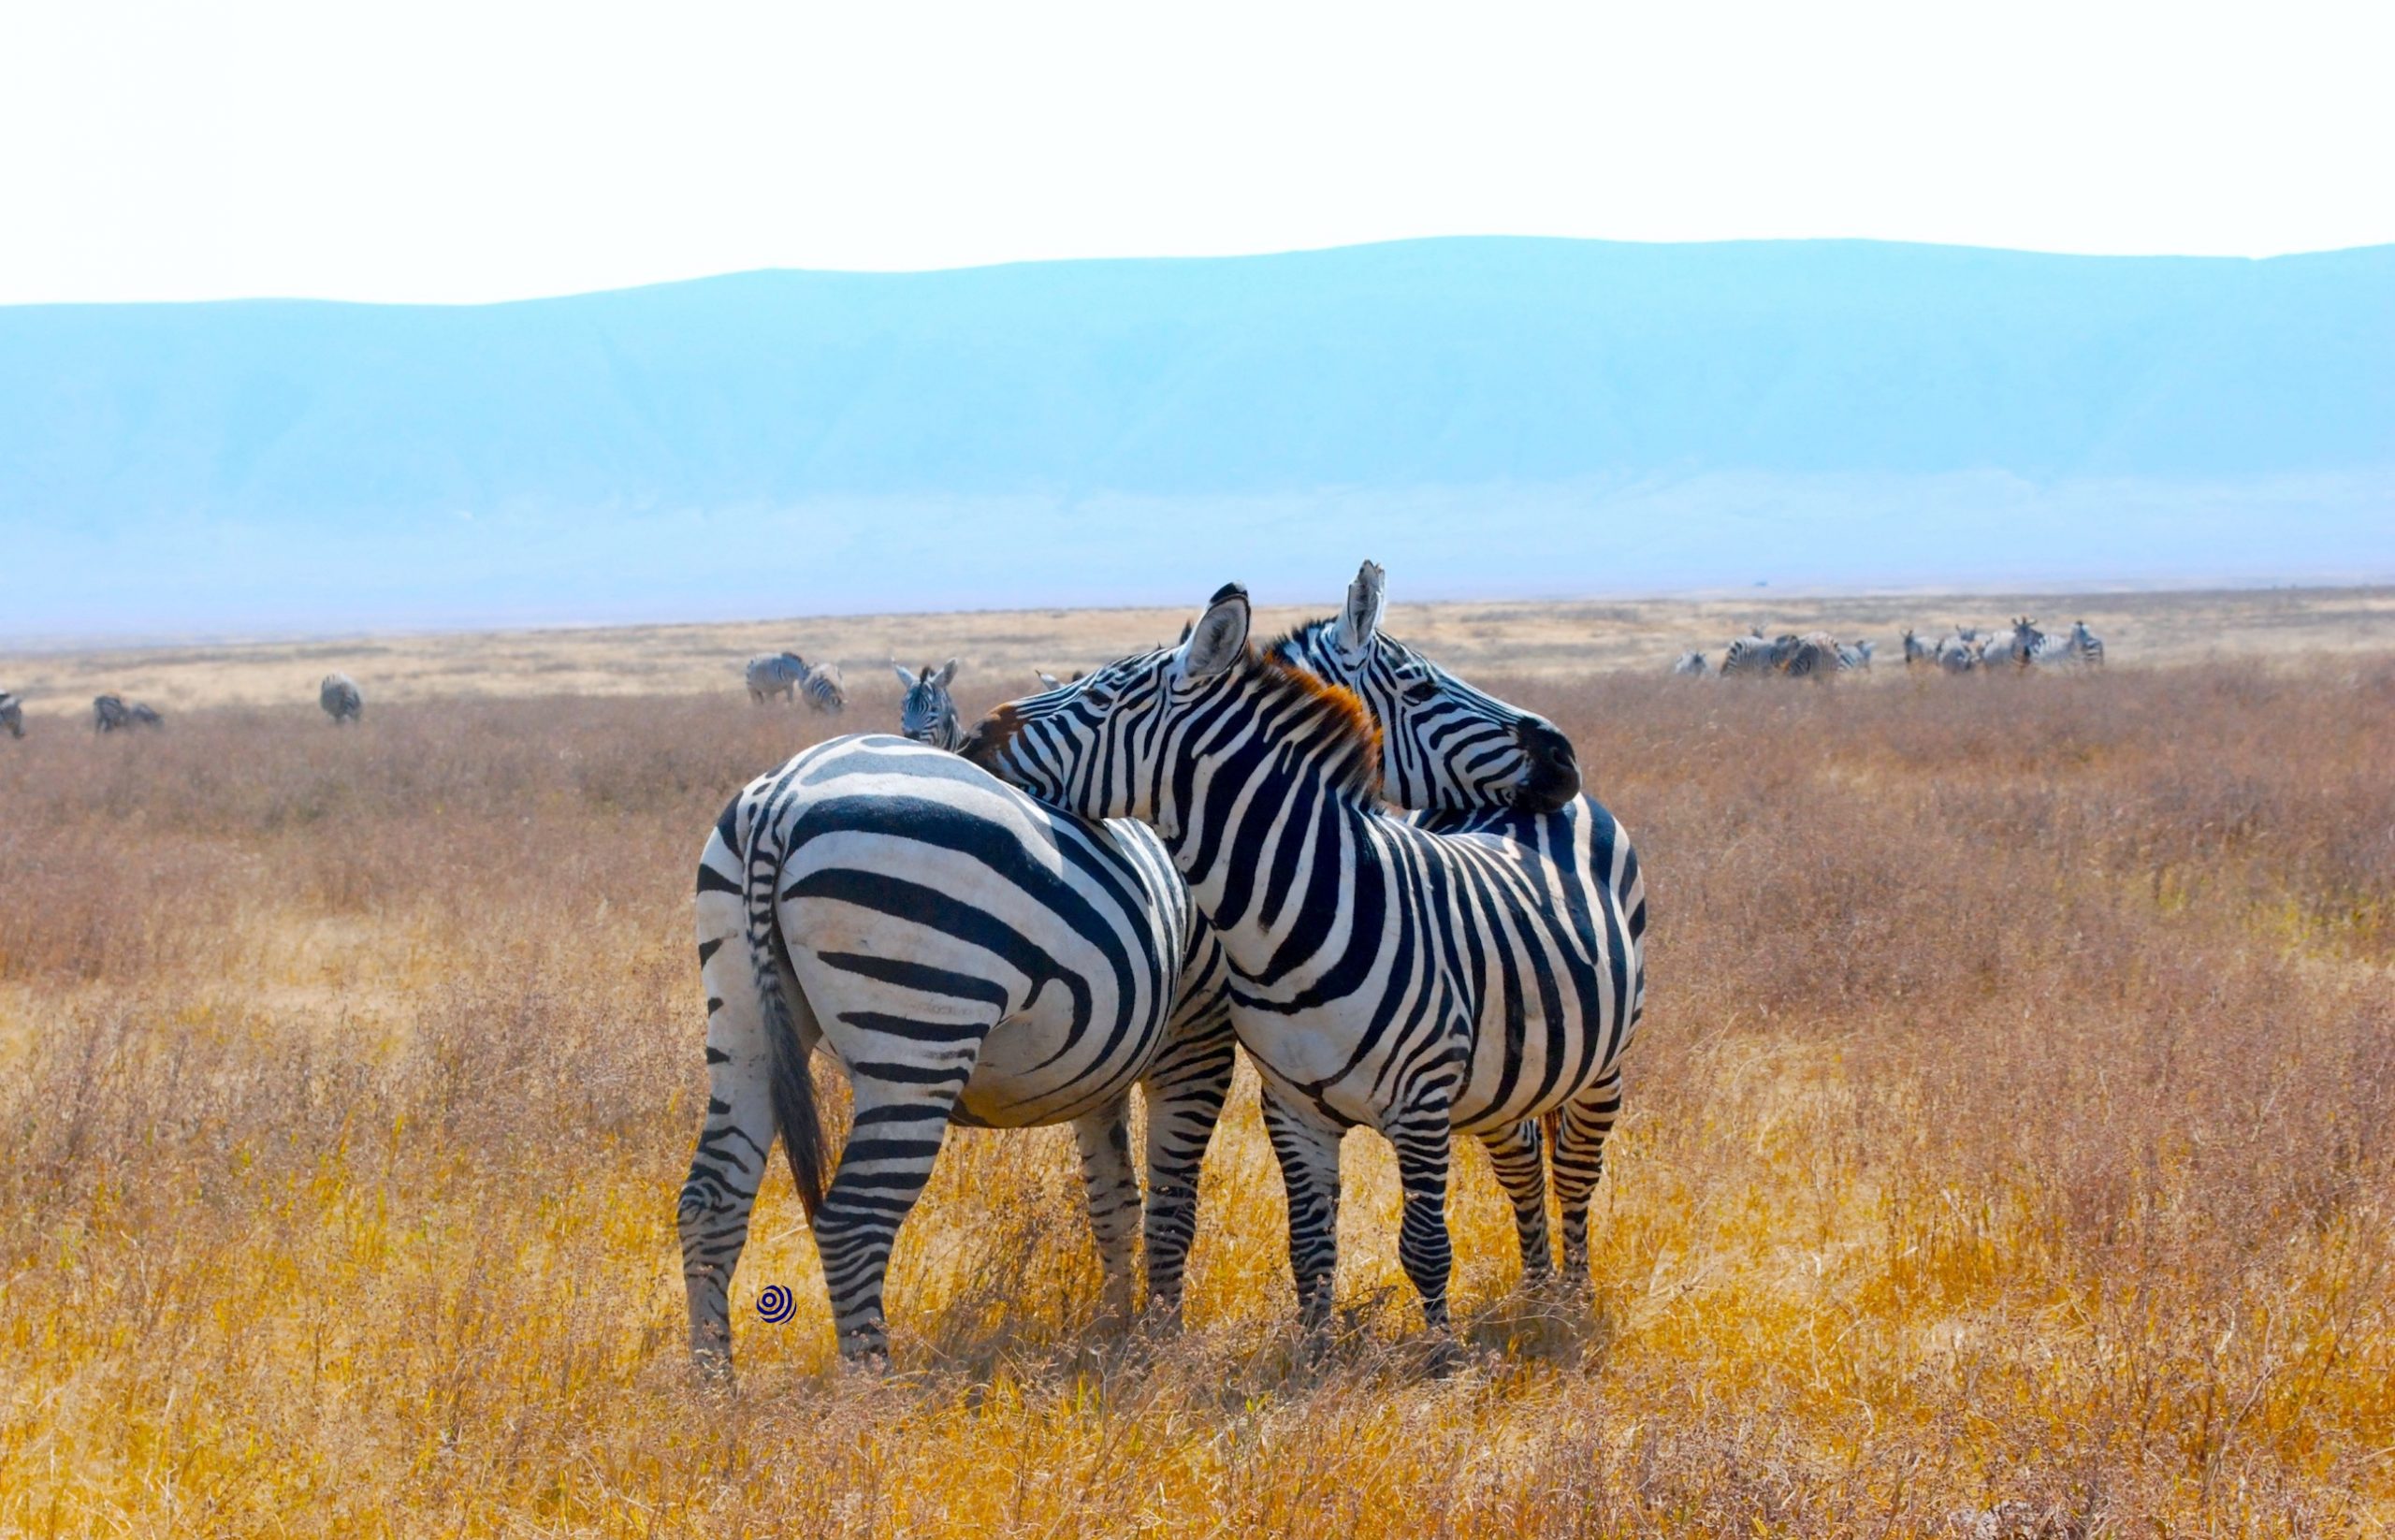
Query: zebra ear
946 672
1360 621
1219 638
904 677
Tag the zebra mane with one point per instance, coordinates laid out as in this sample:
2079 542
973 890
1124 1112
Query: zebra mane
1351 738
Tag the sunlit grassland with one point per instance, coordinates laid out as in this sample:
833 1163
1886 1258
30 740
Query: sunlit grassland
2008 1150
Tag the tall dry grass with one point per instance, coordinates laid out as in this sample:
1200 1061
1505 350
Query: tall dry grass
2007 1153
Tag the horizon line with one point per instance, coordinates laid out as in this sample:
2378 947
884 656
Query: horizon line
1167 258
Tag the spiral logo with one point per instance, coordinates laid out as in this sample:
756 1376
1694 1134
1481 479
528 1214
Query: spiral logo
775 1305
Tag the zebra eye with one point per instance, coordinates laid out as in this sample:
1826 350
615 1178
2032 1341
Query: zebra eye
1420 690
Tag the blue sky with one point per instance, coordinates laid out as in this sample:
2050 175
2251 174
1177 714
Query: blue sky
461 149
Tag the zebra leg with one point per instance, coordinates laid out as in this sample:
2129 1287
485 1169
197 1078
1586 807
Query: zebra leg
1309 1157
1185 1089
1112 1188
1425 1140
729 1162
1579 1161
900 1121
1515 1154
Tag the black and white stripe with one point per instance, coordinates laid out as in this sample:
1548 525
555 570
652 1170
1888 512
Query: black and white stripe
926 712
968 955
1476 973
822 691
774 673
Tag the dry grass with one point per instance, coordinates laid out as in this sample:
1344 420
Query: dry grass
2007 1152
1565 640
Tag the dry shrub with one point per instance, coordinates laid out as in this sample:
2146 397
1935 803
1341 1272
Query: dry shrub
2006 1155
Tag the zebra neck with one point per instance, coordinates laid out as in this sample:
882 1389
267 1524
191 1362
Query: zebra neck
1271 859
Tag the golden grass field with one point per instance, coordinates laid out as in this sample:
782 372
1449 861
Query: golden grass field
999 648
2010 1147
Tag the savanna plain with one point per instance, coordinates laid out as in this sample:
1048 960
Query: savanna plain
2010 1144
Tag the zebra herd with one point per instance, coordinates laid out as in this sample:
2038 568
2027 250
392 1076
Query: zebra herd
1817 655
1120 880
782 675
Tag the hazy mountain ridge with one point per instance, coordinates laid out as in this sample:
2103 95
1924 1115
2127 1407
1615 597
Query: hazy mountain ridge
1432 375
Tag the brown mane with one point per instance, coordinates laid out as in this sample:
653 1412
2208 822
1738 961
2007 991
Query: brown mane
1351 725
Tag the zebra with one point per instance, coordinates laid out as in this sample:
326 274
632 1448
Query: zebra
1749 654
13 713
926 713
972 956
1475 973
2081 648
1853 656
821 688
1691 664
1957 654
773 674
1918 653
113 712
1814 654
2018 650
341 700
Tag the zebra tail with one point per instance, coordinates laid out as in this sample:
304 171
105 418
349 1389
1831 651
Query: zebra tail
791 1076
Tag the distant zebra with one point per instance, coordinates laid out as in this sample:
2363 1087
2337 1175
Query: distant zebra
1386 974
972 956
1692 665
821 688
1958 654
1812 656
2086 646
113 712
13 713
2016 652
775 674
926 713
1852 656
341 700
1918 653
1749 654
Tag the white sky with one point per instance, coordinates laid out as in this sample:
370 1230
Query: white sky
465 150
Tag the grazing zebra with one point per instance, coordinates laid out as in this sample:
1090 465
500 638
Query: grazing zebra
13 713
774 673
968 955
1958 654
821 688
111 712
1855 655
1692 664
925 712
1471 973
341 700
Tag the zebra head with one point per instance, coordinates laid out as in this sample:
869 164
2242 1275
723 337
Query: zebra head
1445 744
928 714
1140 738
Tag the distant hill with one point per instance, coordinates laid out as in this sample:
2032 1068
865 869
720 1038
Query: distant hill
1486 415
